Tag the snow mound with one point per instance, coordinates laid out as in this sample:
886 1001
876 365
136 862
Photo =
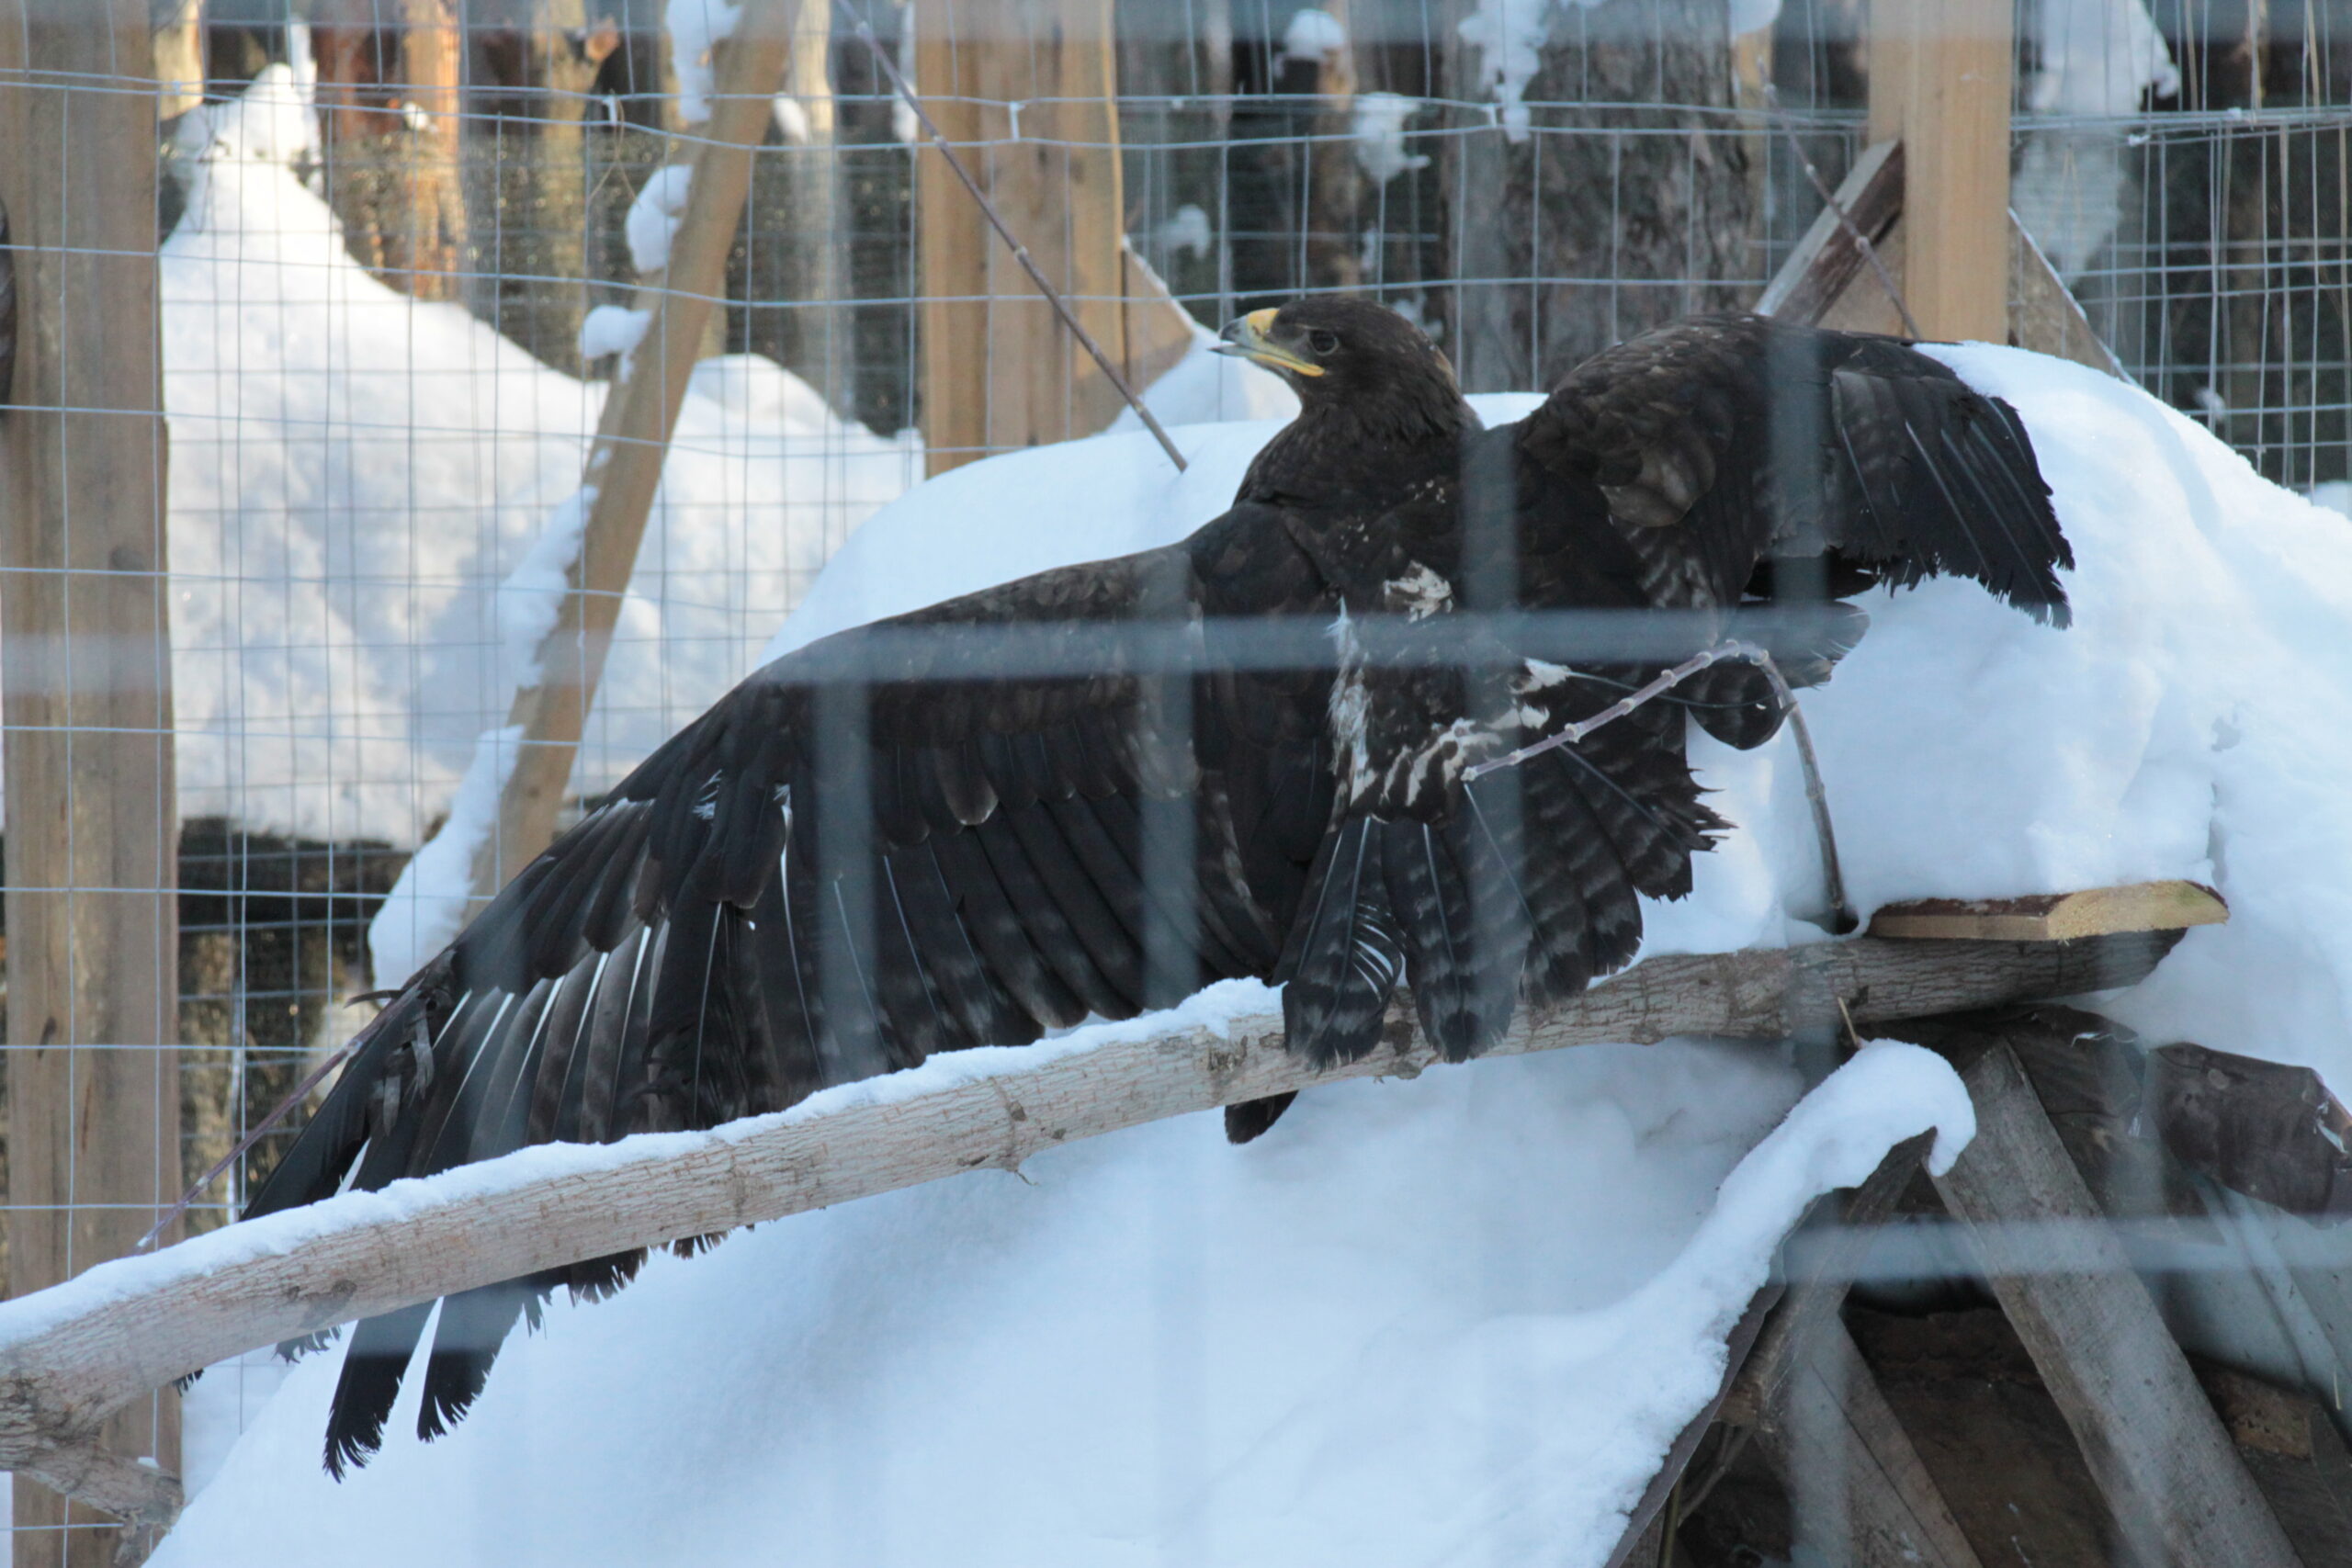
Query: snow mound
355 476
1455 1320
1133 1355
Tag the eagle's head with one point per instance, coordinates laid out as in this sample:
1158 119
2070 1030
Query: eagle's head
1345 352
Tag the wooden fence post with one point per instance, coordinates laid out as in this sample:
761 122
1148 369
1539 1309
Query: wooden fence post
998 369
1940 76
92 821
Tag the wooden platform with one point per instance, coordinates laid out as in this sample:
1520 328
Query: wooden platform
2054 917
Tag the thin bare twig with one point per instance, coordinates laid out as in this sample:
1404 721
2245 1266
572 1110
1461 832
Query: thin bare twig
294 1097
889 68
1845 218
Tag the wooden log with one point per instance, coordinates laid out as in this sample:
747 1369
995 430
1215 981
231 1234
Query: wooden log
63 1369
624 467
2179 1490
2054 917
93 992
1859 1492
1941 75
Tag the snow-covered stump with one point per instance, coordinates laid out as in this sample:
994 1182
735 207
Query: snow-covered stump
70 1356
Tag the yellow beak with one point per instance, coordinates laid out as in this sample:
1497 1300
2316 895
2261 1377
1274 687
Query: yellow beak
1247 338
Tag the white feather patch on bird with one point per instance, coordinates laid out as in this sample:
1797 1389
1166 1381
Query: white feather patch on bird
1350 707
1420 593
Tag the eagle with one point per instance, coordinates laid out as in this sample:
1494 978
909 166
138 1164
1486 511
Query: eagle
1094 790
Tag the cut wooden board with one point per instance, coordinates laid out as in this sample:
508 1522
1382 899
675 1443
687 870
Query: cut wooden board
2054 917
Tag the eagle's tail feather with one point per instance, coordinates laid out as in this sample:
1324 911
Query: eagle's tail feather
465 1342
1345 957
380 1352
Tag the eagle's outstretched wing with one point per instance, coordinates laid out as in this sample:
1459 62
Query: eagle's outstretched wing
1723 442
871 850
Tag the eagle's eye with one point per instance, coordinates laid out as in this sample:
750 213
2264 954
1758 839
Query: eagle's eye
1322 341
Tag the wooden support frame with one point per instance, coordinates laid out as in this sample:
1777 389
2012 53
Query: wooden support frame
1827 279
2173 1481
64 1368
1850 1467
624 467
92 820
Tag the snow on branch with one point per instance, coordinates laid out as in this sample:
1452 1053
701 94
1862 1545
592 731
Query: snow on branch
72 1354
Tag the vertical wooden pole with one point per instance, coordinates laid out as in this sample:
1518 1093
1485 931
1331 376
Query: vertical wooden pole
998 370
180 55
1940 80
431 65
92 827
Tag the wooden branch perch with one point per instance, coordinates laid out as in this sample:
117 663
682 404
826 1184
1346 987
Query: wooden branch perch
71 1355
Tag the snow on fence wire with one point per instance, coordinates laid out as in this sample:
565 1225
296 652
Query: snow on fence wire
403 246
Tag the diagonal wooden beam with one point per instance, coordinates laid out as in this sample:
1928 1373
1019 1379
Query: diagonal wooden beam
2176 1485
624 467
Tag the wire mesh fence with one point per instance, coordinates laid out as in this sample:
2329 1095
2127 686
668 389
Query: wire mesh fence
407 247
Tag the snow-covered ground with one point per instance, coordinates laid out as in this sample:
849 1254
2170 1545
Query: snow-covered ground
1454 1320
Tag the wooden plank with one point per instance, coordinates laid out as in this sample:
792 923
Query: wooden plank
2168 1469
1763 1345
1025 92
1859 1490
1992 1437
2054 917
1830 260
93 827
1940 77
1646 1525
1813 1300
1866 307
179 56
252 1285
624 467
